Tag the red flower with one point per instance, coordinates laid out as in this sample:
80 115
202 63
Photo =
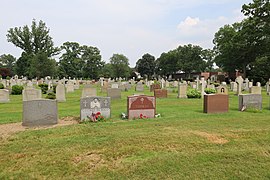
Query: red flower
98 113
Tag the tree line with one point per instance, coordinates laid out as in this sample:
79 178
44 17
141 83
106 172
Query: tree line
242 46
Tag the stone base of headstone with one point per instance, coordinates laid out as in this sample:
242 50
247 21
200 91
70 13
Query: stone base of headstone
42 112
216 103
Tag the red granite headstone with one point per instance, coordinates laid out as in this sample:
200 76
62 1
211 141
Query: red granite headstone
216 103
154 86
160 93
141 106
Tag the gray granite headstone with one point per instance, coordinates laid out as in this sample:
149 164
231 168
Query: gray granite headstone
114 93
139 88
247 101
96 104
4 95
41 112
31 94
89 92
60 92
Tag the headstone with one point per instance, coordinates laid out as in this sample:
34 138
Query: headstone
4 95
114 93
160 93
89 92
197 82
258 84
223 83
127 86
175 83
250 85
203 86
167 84
91 105
31 94
239 80
222 90
140 106
115 85
105 87
210 86
139 88
41 112
154 86
247 101
182 91
255 90
216 103
162 83
245 85
69 87
60 93
234 86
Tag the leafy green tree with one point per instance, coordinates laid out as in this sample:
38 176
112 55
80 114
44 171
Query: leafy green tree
8 61
190 59
167 63
120 66
92 62
23 64
146 65
36 43
259 70
42 66
34 39
107 71
234 47
71 64
208 56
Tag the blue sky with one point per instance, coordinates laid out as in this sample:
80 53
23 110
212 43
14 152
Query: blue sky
129 27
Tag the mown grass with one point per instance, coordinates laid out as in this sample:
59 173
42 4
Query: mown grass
183 144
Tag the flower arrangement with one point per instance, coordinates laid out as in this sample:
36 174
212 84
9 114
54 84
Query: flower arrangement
95 117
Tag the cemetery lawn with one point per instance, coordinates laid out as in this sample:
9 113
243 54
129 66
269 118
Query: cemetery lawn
183 144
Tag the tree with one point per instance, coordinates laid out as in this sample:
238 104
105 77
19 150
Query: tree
146 65
208 56
71 64
34 39
92 62
167 63
8 61
107 71
190 59
259 70
23 64
120 66
235 47
42 66
36 43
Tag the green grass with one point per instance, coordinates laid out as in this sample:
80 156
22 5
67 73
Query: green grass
179 145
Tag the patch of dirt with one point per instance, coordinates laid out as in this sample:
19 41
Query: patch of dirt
93 160
7 130
213 138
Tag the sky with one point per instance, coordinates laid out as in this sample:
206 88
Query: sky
129 27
